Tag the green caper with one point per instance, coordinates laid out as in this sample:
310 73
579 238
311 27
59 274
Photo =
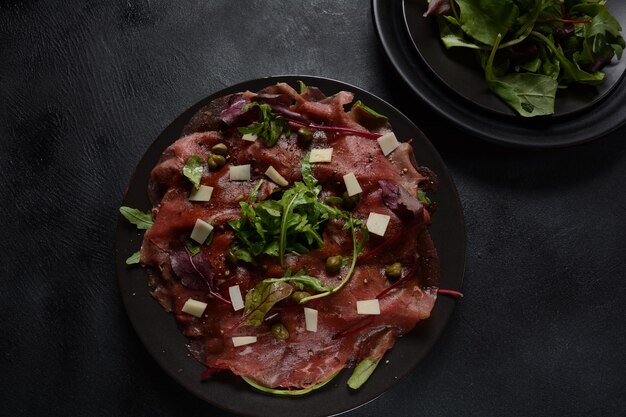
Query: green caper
305 135
394 270
219 160
231 258
333 263
211 163
279 331
220 149
299 296
215 162
350 202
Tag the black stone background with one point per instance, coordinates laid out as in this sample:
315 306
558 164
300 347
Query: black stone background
85 87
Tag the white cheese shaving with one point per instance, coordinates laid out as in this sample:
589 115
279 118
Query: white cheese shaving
377 223
249 137
276 177
203 193
235 297
388 142
352 185
201 231
321 155
243 340
310 319
239 172
194 307
368 307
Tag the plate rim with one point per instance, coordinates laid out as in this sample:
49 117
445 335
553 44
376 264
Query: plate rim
563 131
446 305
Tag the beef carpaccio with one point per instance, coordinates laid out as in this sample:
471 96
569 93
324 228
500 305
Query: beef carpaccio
353 258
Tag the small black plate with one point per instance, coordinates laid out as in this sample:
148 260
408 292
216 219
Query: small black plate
460 71
158 330
593 122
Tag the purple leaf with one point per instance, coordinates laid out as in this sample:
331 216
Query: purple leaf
194 273
273 99
233 113
599 63
400 201
288 114
437 7
185 271
280 105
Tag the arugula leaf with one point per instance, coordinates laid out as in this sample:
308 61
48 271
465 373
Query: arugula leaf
362 372
134 258
302 86
270 126
262 298
422 197
290 224
142 220
193 169
194 247
302 281
357 247
307 171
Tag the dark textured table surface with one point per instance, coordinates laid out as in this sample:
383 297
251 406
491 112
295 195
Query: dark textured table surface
85 87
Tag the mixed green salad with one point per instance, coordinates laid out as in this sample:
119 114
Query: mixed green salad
531 48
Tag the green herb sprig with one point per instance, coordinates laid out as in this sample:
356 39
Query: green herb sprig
270 126
288 223
143 221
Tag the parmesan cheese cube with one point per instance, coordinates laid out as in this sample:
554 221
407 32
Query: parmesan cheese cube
249 137
276 177
194 307
310 319
377 223
321 155
243 340
235 297
239 172
388 142
352 185
203 193
368 307
201 231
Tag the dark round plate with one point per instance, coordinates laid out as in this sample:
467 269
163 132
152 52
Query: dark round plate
459 70
596 120
158 330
